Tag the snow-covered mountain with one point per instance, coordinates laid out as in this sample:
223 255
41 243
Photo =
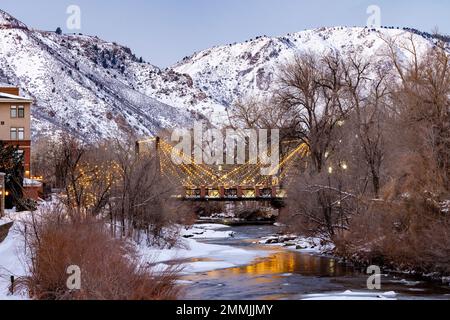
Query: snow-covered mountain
92 88
97 89
234 71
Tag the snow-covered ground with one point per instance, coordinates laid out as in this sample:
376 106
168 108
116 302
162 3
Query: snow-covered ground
12 258
4 221
201 257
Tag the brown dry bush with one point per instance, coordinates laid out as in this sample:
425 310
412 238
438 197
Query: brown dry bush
410 235
407 227
110 268
321 204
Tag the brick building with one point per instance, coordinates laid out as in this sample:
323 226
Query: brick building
15 122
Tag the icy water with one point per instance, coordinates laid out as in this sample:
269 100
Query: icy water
286 275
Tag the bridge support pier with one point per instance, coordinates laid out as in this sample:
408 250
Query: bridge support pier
274 192
222 192
257 192
203 192
239 192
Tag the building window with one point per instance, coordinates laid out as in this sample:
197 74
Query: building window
13 111
21 134
21 112
13 135
17 134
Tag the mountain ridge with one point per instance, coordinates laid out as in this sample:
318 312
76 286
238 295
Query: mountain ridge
97 89
88 86
250 68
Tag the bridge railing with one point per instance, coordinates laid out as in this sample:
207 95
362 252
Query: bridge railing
233 193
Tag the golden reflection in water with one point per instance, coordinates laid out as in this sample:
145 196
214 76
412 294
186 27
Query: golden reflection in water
332 267
280 263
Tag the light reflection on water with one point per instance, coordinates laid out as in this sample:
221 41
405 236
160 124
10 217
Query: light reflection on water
285 263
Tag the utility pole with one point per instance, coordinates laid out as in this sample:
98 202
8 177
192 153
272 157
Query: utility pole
158 158
2 194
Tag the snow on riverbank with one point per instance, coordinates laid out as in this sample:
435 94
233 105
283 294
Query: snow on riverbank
12 258
298 243
352 295
4 221
199 256
207 231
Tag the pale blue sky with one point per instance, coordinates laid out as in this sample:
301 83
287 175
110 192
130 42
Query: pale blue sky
164 31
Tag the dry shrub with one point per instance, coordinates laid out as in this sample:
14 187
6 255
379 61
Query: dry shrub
409 234
407 229
110 268
320 204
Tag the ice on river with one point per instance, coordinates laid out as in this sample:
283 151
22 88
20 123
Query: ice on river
352 295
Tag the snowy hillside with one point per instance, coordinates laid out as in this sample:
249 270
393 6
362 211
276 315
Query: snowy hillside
96 89
250 68
89 87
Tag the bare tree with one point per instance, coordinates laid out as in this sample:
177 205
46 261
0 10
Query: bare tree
408 225
310 94
142 197
367 93
422 100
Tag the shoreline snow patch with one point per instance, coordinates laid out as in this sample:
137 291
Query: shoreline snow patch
12 262
299 243
195 256
352 295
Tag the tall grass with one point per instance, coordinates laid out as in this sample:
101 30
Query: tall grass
110 268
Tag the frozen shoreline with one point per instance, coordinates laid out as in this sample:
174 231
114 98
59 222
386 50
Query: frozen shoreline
208 257
352 295
298 243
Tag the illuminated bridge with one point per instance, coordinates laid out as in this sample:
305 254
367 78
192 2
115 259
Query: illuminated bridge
243 182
